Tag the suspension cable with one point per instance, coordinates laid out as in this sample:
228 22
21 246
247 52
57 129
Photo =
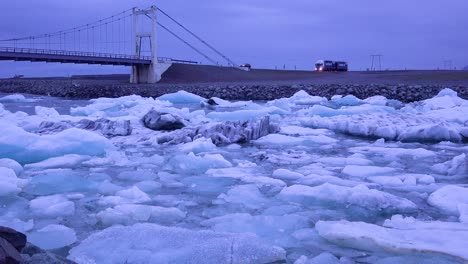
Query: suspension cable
188 44
200 39
69 30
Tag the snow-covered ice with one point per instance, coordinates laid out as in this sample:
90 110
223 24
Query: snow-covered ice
303 179
150 243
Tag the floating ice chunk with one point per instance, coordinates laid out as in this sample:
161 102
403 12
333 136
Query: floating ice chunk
131 195
463 211
137 175
348 100
376 100
132 105
359 196
446 98
458 166
247 195
246 175
173 245
17 224
45 111
9 183
340 161
303 131
400 180
448 198
52 206
367 171
316 180
245 115
59 181
16 98
324 258
323 111
278 139
12 164
148 186
134 194
224 103
130 213
287 175
24 147
198 146
53 237
182 97
416 237
198 164
66 161
392 153
269 227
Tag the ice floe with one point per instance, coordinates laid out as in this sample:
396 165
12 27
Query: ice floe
401 235
150 243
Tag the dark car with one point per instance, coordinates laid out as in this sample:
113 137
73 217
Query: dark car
341 66
324 65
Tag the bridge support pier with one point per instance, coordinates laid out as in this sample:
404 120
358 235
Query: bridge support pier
146 73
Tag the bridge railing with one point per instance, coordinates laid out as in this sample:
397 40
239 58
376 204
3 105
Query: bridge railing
91 54
72 53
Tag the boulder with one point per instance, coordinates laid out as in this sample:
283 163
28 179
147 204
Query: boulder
34 255
16 239
163 121
8 253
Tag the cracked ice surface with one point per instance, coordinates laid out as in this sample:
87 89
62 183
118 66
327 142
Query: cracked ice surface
339 181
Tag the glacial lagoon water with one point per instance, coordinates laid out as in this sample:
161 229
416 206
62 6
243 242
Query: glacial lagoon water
341 181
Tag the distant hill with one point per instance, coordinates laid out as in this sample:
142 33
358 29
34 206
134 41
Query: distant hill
466 68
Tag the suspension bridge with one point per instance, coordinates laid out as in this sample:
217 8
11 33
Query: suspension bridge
128 38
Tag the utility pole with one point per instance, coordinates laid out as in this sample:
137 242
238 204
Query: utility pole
376 58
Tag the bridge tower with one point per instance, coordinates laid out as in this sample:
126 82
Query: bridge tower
146 73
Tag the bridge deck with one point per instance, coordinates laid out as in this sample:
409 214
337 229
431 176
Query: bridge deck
23 54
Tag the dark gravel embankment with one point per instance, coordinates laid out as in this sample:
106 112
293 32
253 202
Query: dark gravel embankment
233 84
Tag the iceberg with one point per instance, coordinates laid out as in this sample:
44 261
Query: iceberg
24 147
182 97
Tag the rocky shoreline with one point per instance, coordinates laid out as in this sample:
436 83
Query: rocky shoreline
14 249
87 89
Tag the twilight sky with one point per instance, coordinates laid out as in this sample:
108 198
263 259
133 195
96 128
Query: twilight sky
416 34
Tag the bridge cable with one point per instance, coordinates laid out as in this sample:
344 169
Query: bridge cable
188 44
66 31
199 38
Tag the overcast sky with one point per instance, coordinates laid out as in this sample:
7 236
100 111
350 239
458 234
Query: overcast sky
412 34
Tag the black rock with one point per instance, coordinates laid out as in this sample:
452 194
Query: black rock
8 253
34 255
163 121
16 239
211 101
